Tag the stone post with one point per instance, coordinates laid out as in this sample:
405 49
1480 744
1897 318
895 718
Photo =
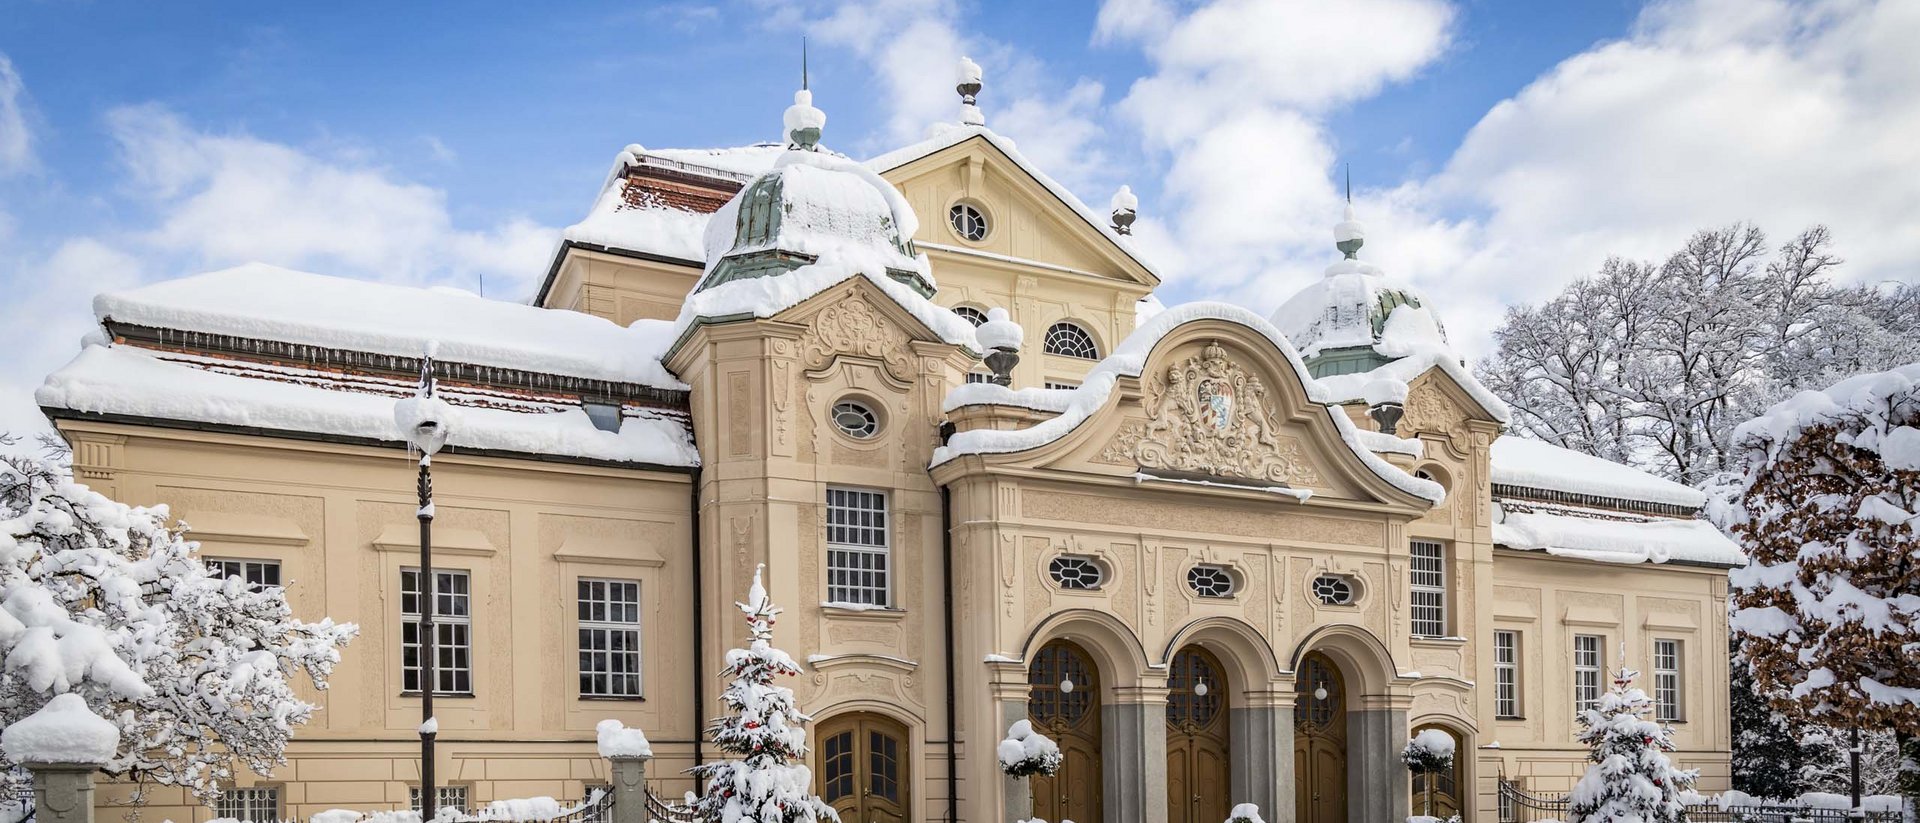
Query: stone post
62 792
1133 752
629 779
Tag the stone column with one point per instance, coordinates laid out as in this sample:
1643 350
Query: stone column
62 792
1378 784
629 779
1016 794
1133 728
1262 755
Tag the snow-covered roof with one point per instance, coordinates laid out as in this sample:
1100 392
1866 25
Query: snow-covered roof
265 302
1339 310
827 204
135 382
740 161
1130 357
1610 537
768 296
650 227
1533 464
946 136
1402 371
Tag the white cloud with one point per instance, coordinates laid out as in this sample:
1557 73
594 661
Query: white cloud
16 144
41 326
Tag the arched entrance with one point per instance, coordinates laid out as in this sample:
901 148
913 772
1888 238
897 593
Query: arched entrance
864 763
1063 701
1320 742
1197 777
1440 790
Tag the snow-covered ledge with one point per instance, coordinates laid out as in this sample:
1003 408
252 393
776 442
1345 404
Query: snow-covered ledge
62 744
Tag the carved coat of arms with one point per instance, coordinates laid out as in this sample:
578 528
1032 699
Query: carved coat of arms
1208 415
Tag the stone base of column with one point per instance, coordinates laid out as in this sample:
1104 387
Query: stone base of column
62 792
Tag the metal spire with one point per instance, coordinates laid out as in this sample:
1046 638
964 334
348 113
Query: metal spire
1349 167
803 63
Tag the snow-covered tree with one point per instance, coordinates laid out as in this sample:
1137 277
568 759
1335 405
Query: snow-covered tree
770 782
1829 609
1631 780
1772 760
111 603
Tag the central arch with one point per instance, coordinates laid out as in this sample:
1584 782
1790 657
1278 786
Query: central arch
1320 741
1198 777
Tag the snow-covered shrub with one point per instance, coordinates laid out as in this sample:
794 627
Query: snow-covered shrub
1026 752
1429 751
1631 778
770 782
1245 813
110 603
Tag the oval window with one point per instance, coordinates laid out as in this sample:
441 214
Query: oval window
1210 581
1079 573
1333 590
855 419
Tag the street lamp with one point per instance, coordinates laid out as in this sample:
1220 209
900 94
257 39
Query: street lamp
423 421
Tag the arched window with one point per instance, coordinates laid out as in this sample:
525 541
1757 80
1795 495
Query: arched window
971 315
968 222
1438 793
1069 340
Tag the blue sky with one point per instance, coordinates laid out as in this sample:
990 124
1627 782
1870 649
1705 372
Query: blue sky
1498 149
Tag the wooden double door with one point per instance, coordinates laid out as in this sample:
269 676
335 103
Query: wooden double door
1063 703
1320 742
1198 782
864 768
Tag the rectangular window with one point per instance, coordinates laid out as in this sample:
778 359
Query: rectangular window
255 803
1666 680
1061 384
1588 651
1506 673
452 632
979 377
255 572
455 796
609 638
857 547
1429 575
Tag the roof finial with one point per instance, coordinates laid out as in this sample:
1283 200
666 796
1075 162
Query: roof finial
802 120
1349 167
1125 208
1348 234
803 67
969 88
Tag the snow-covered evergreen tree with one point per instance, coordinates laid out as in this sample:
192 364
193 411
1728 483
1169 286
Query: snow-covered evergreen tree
1770 759
1631 780
770 782
111 603
1827 501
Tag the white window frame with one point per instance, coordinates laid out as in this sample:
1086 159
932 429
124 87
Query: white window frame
1060 385
608 610
1506 674
859 531
452 618
243 568
1428 576
452 794
1669 700
247 803
1588 670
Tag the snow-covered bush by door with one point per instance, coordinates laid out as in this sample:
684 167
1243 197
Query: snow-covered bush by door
770 782
109 604
1631 780
1245 813
1026 752
1429 751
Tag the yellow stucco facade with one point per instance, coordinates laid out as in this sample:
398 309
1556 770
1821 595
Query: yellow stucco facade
972 603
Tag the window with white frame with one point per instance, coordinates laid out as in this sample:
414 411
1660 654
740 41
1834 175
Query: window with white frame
971 314
1666 680
1429 577
1067 339
256 803
1506 673
452 631
1061 384
1588 651
444 796
979 377
256 572
609 637
857 547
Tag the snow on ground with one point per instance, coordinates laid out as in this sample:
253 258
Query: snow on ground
63 731
1130 357
259 301
126 380
1518 461
1588 534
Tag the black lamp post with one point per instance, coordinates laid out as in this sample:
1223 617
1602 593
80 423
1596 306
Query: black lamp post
422 421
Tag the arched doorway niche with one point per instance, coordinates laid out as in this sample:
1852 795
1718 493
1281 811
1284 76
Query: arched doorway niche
1257 701
1374 702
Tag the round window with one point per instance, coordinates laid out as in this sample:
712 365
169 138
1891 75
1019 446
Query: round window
1333 590
1072 572
1210 581
855 419
968 222
971 315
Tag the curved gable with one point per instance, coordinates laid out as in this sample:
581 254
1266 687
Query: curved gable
1206 396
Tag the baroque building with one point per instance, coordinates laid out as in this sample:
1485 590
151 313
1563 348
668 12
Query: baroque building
1219 558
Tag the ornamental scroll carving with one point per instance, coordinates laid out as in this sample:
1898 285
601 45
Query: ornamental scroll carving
1208 415
853 326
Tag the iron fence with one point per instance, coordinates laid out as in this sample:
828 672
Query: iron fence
1519 806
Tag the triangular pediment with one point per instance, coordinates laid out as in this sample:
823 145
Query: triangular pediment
1029 216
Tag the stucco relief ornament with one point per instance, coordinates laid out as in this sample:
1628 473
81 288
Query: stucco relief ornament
1210 416
855 327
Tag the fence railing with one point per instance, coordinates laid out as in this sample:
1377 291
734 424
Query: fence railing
1519 806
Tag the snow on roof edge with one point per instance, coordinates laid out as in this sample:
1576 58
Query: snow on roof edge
1129 359
1537 464
1658 540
